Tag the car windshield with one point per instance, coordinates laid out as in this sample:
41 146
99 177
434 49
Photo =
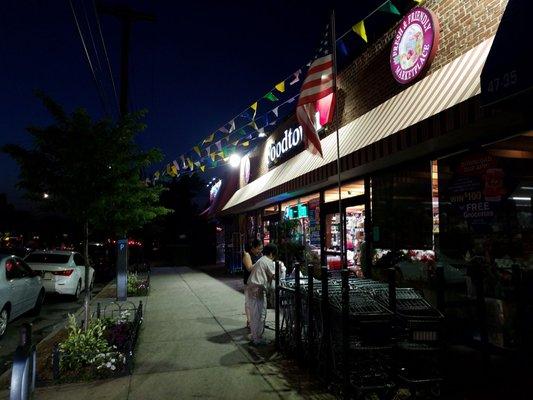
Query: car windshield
48 258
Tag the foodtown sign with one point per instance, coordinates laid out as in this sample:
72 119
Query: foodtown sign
290 139
414 45
289 144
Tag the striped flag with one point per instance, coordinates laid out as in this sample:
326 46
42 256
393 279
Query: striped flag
317 85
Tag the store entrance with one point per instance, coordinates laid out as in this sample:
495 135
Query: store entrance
353 229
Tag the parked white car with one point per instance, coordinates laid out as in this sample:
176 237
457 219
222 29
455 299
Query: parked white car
21 290
63 272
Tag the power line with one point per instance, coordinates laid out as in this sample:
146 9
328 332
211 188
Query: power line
87 56
91 34
105 53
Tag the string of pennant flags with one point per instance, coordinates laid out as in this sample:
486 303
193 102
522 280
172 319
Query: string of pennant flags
247 126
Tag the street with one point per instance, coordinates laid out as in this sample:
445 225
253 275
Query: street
54 312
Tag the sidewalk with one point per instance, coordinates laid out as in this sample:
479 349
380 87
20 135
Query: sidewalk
193 345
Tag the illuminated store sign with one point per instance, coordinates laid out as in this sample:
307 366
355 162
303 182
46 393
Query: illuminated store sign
289 144
297 211
291 139
214 190
414 45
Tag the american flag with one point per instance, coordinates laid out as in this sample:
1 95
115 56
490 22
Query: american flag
317 88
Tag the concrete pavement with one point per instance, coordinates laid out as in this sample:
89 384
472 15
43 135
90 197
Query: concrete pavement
193 344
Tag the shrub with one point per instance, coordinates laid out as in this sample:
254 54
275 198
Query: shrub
87 353
137 286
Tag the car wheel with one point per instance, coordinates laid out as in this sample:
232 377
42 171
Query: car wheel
4 319
78 291
38 304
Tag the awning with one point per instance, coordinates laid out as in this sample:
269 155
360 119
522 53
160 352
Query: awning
509 66
450 85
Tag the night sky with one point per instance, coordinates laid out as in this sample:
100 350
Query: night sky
194 68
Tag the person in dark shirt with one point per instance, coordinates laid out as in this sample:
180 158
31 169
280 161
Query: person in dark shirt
250 256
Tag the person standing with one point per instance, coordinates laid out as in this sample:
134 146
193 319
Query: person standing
249 257
263 271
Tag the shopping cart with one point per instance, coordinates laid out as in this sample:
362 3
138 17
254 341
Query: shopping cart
419 340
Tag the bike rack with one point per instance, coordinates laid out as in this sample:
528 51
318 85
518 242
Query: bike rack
24 367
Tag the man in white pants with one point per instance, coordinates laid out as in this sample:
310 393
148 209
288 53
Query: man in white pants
262 273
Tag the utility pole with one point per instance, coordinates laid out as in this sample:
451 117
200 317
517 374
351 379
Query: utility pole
127 17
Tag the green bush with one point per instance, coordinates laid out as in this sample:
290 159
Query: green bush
87 353
137 286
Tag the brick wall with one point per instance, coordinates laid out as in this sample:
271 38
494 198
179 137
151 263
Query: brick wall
368 81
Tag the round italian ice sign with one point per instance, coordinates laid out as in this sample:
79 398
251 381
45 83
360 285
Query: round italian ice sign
415 44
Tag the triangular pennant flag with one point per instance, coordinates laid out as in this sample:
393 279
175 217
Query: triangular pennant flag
343 47
175 163
231 125
270 96
221 154
197 163
360 30
183 163
419 1
276 111
224 130
156 175
219 145
209 139
389 7
190 163
174 170
197 150
213 156
202 167
254 107
241 132
246 144
295 77
235 143
253 125
280 87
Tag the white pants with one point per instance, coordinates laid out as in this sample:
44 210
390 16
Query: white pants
257 310
247 304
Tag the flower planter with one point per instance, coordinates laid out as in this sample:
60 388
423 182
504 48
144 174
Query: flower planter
120 335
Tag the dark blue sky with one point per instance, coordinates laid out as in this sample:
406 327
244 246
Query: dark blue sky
194 68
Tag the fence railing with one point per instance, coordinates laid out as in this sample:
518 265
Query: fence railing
362 336
24 367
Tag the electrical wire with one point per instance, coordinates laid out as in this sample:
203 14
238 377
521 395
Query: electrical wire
87 56
106 56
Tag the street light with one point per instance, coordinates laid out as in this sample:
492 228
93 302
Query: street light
235 160
46 195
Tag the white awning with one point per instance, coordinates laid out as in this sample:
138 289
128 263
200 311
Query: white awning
450 85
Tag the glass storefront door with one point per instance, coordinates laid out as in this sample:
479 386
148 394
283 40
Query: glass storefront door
353 229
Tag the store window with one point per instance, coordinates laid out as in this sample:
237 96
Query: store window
402 218
486 225
301 226
348 190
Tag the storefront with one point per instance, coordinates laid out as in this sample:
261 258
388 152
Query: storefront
431 177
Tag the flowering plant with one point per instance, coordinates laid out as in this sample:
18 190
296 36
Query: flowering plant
137 286
87 352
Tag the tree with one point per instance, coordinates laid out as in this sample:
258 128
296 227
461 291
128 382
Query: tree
90 171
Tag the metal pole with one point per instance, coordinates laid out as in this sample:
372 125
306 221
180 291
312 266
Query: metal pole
344 266
298 313
310 317
325 324
276 320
